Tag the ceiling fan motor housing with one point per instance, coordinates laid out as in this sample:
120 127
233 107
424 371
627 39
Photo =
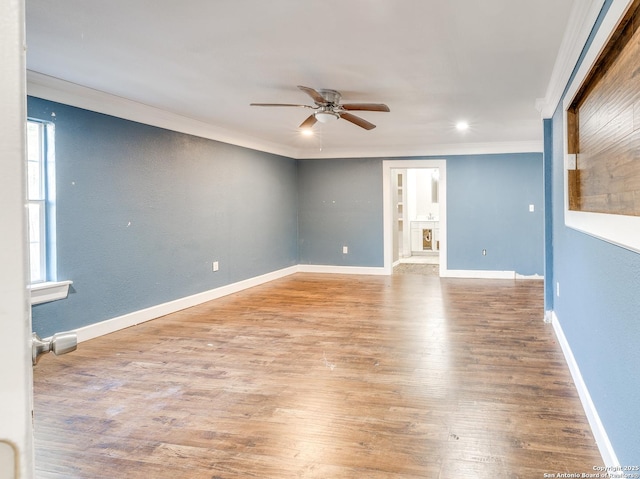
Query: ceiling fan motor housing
331 96
327 111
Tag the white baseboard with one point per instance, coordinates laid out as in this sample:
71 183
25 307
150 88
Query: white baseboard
477 274
319 268
115 324
534 277
604 445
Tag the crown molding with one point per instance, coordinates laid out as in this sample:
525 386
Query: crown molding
581 21
62 91
453 149
68 93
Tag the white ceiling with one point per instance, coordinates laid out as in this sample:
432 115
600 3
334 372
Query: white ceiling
433 62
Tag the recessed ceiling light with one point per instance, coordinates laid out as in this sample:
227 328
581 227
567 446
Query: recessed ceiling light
462 126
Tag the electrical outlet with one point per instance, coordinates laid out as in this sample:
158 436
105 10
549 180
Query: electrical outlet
215 266
484 252
345 250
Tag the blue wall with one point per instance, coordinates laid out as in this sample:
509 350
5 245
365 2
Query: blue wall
340 205
488 198
143 212
548 217
598 309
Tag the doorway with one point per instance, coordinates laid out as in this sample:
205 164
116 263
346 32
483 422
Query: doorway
415 214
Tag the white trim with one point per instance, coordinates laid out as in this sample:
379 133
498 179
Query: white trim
535 277
319 268
427 150
61 91
602 439
616 12
115 324
479 274
387 208
620 230
581 20
548 316
16 368
49 291
570 160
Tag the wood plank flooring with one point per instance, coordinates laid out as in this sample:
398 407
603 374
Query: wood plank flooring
317 377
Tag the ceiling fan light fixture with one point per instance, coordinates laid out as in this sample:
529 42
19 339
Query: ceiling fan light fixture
326 116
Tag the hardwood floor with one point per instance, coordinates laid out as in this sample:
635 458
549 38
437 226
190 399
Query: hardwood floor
318 377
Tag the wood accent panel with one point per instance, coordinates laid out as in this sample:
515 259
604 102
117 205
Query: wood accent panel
604 126
321 376
573 187
572 132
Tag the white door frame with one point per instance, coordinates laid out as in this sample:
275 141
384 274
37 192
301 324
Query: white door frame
16 432
387 208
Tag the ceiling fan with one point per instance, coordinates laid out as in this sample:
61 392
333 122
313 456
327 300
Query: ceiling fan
328 107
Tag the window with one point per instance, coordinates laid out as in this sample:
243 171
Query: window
39 149
41 211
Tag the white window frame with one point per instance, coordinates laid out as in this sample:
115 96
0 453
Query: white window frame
44 284
37 199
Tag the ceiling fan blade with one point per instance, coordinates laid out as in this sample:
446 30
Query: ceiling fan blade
317 97
365 106
309 122
356 120
280 104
